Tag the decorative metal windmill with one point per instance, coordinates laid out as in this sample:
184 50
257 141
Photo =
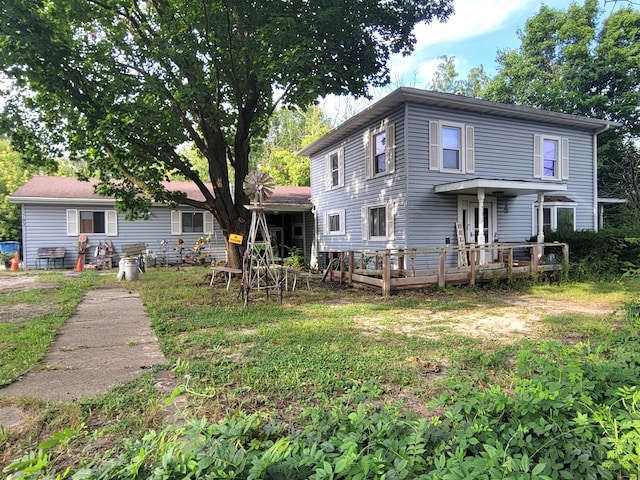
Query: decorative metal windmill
260 270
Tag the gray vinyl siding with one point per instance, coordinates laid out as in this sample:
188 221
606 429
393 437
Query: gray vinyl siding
359 190
503 151
46 226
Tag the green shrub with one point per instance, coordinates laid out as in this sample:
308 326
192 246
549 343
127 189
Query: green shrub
606 254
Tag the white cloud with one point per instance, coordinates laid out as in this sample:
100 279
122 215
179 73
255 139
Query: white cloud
471 18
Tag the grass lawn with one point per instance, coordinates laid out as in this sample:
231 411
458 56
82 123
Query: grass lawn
321 348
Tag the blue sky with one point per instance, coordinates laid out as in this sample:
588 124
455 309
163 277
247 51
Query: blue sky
473 35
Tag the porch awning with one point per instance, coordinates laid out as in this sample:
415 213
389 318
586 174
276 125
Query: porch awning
500 188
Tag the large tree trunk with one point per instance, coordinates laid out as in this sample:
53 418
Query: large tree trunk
234 254
238 226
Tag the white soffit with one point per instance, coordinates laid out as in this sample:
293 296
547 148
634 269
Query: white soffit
499 187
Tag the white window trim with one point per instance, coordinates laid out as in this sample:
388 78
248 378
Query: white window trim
390 213
328 171
467 147
390 149
110 220
553 206
176 222
341 213
562 170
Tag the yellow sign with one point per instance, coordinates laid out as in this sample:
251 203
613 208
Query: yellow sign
235 238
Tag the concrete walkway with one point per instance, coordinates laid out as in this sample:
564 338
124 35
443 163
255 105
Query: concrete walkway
108 341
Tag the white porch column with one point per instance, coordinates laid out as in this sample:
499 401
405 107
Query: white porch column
540 217
540 222
481 238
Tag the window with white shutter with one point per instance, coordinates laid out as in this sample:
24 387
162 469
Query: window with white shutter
451 147
92 221
380 150
550 157
334 169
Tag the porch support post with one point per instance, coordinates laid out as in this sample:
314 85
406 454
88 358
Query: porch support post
540 217
600 217
539 251
481 238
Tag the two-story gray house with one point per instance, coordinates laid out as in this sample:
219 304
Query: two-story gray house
421 169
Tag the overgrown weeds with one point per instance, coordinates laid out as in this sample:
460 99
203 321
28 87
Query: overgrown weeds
337 383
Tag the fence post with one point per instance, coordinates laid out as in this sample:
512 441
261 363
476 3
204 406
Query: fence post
534 259
565 261
352 262
413 262
386 274
341 267
442 279
510 263
473 255
401 262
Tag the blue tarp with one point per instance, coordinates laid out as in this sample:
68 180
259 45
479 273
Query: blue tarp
9 247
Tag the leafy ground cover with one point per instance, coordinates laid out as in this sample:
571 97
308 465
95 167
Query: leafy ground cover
520 381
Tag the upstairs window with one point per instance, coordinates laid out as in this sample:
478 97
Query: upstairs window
380 150
380 153
451 147
550 152
550 157
334 169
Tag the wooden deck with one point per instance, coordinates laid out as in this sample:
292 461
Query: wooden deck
393 270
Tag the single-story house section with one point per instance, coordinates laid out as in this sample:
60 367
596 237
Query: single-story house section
57 210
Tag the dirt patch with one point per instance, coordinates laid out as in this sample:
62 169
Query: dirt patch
520 318
21 281
558 306
21 312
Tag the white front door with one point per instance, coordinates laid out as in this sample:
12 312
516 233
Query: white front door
469 216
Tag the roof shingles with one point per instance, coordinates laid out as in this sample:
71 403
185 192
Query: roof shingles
60 188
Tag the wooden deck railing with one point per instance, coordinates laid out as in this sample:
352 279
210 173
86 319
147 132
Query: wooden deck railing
391 270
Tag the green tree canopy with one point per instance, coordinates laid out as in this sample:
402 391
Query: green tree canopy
446 79
13 174
290 129
123 84
571 62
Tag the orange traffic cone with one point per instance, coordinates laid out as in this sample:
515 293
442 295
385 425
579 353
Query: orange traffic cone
79 265
15 262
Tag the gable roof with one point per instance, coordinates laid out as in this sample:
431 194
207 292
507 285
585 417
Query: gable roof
68 190
451 102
